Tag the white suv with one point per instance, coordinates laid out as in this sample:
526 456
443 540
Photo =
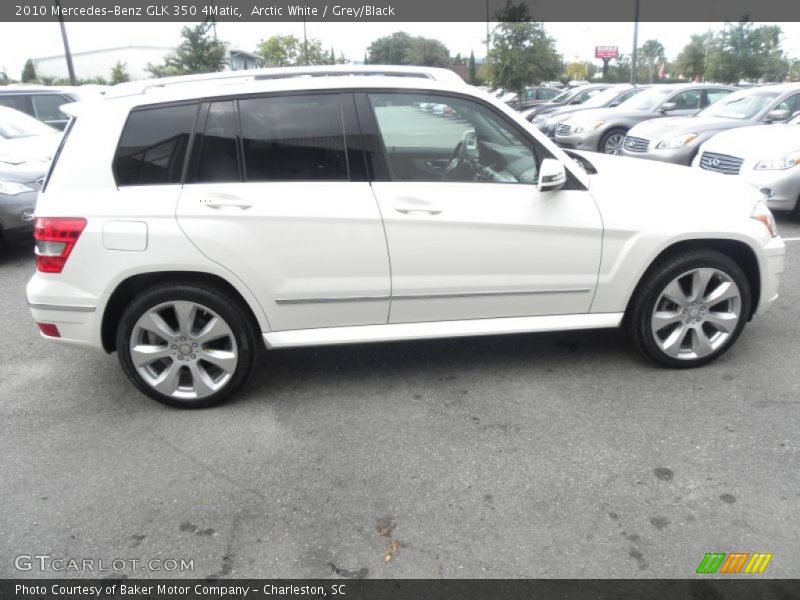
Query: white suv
188 223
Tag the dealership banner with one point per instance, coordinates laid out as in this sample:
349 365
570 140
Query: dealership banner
401 589
395 10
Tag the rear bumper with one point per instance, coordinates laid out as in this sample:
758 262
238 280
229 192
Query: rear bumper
70 309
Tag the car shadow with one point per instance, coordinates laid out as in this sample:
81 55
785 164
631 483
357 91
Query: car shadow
16 255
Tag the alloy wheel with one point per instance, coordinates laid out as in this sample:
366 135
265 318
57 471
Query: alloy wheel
183 350
696 313
613 144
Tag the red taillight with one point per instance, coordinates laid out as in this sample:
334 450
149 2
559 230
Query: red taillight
49 329
55 238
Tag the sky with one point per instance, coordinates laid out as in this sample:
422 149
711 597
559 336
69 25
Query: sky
576 41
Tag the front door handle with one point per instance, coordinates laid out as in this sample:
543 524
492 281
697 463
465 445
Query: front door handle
412 206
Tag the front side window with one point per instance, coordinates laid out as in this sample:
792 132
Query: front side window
791 104
46 107
298 138
714 94
153 146
688 100
454 140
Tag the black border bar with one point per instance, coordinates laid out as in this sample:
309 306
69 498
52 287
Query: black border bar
397 10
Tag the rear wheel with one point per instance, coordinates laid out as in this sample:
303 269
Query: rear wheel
611 142
690 308
186 346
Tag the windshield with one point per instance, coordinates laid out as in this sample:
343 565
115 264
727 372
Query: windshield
14 124
604 98
648 99
564 96
741 105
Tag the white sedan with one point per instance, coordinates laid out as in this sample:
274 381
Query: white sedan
767 157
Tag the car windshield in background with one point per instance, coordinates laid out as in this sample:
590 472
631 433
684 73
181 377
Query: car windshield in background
741 105
564 96
647 99
602 98
14 124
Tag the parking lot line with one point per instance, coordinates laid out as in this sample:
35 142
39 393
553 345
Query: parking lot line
797 239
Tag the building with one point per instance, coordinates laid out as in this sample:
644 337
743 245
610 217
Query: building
99 63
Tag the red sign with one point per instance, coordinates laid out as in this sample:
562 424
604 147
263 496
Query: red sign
606 52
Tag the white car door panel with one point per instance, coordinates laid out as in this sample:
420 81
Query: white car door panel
478 250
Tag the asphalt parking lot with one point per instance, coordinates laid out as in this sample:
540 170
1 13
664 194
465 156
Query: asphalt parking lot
525 456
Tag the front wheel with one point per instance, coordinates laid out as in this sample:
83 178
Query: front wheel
690 308
186 346
611 142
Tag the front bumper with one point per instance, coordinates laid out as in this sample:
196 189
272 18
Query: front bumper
16 217
781 189
772 266
586 140
676 156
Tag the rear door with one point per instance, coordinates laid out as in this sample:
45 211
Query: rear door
277 193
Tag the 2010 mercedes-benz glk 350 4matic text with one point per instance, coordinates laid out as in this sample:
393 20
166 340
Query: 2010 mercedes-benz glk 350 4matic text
188 223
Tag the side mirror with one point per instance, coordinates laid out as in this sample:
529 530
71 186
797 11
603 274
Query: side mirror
668 106
779 114
552 175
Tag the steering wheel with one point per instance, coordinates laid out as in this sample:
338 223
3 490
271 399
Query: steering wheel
465 151
456 161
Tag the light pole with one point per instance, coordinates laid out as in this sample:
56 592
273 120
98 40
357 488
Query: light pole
67 53
635 53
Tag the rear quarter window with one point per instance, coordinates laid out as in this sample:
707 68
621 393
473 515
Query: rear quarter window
152 149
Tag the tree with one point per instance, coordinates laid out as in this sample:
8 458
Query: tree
427 52
744 52
576 70
652 51
119 73
28 72
290 51
472 69
691 62
390 50
197 53
522 53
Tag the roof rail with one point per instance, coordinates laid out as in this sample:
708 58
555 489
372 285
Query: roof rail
134 88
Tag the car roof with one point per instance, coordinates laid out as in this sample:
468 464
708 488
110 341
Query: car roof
156 91
30 89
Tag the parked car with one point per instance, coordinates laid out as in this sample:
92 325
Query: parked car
569 97
607 98
189 227
26 148
677 139
767 157
604 129
38 101
533 96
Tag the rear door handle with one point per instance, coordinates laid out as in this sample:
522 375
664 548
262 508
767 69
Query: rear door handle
410 206
224 201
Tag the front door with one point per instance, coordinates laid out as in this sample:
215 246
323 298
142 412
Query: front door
469 234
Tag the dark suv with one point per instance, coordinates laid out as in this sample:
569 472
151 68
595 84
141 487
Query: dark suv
40 102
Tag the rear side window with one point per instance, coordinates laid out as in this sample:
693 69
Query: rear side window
152 149
297 138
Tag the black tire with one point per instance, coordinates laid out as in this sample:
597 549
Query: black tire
640 309
796 212
607 135
233 314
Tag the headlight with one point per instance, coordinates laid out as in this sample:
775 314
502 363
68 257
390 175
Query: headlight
777 163
676 142
12 188
588 126
763 214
